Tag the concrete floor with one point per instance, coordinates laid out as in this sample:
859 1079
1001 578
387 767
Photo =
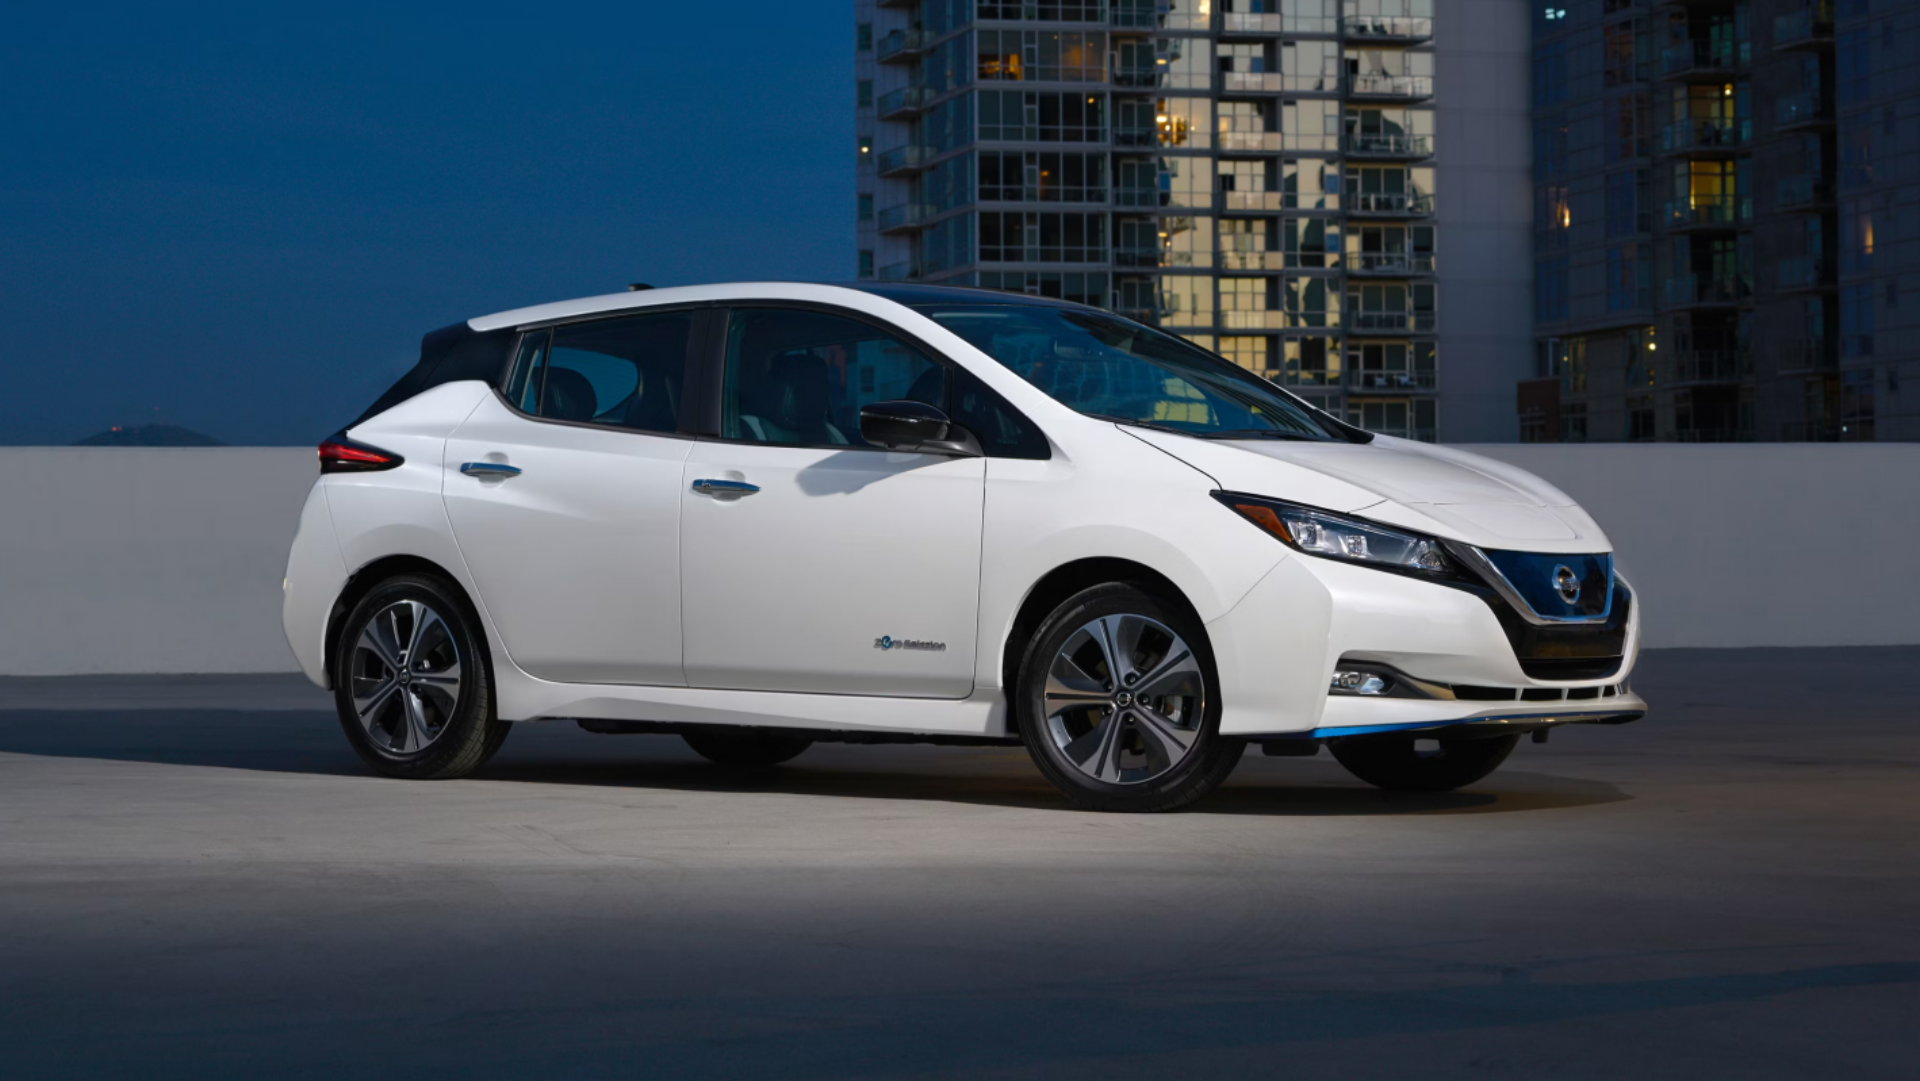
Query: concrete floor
197 879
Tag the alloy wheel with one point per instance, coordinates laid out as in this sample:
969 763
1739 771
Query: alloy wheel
1124 699
406 673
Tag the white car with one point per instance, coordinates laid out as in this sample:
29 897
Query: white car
766 515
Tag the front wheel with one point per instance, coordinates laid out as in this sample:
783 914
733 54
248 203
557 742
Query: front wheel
411 685
1400 763
1118 703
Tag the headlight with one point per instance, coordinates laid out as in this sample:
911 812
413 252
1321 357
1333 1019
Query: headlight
1336 537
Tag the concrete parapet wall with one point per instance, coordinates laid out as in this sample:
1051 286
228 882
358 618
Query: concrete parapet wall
170 560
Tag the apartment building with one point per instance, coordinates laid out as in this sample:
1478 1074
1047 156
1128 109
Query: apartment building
1724 215
1259 176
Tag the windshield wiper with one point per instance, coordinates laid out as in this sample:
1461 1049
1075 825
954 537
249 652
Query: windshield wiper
1258 433
1141 424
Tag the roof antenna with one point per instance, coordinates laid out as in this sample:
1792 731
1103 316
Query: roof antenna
638 287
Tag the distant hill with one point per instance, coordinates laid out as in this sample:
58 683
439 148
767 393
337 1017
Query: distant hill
150 435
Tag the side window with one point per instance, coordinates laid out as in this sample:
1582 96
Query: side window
799 378
1002 432
623 373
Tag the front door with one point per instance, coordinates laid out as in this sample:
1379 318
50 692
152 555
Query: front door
812 561
565 500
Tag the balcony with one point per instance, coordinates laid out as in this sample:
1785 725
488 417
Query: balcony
1133 16
1703 212
1798 110
1385 28
905 217
1255 200
1382 145
1390 382
1809 28
1711 135
1136 197
1135 77
1389 264
896 3
1801 272
1249 141
1703 58
1390 205
905 102
899 272
1712 435
1709 366
1803 356
1801 189
902 46
1136 257
1253 260
1390 87
1404 322
1135 137
1252 82
1702 291
904 160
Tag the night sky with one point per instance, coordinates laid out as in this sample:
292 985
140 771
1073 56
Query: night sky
242 218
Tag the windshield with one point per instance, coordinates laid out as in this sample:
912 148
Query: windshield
1118 370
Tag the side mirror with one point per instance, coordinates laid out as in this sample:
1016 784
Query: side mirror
915 427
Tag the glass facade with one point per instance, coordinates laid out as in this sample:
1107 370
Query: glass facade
1715 184
1254 175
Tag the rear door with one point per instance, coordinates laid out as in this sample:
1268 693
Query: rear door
564 495
812 561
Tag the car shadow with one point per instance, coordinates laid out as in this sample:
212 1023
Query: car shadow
310 743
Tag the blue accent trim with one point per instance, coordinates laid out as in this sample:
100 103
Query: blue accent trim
1415 726
725 487
1531 574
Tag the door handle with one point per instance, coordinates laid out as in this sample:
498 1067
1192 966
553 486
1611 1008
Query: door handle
490 469
725 487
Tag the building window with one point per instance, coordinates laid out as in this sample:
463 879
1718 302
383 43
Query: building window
866 207
866 264
1853 67
1856 321
1573 422
1640 419
1550 291
1028 116
1856 406
863 93
1042 238
863 38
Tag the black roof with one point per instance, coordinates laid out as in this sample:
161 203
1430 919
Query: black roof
915 296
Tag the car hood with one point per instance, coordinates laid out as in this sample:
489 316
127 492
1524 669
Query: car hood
1437 490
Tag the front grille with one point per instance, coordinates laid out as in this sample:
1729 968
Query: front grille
1563 651
1576 587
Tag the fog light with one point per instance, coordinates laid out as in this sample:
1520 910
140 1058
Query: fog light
1356 682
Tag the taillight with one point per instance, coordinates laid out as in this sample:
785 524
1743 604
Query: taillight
338 454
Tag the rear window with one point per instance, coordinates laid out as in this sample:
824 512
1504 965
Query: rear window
452 354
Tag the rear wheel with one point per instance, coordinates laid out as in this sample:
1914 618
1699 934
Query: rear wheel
1409 762
746 748
1117 702
411 685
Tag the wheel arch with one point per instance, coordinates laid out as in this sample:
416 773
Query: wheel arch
362 581
1064 581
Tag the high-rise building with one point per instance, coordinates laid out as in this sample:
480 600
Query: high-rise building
1725 206
1264 177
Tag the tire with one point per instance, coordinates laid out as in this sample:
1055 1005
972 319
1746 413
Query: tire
747 748
436 721
1146 741
1395 763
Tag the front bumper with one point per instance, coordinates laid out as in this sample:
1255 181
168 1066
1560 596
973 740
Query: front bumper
1277 649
